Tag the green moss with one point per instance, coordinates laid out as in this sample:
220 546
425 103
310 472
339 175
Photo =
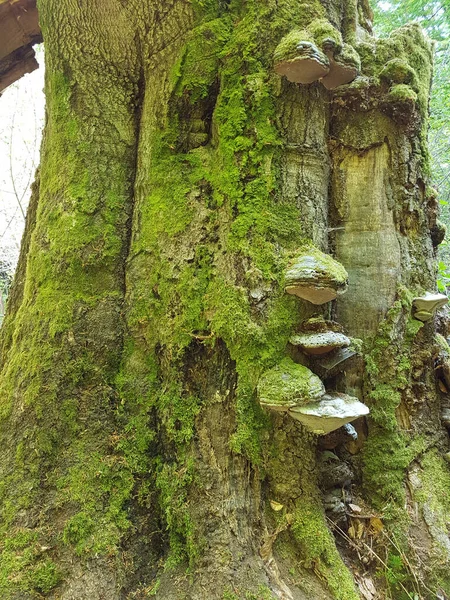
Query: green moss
310 263
404 59
442 343
434 495
289 384
320 32
173 481
66 347
24 566
398 70
435 488
348 56
402 93
389 450
323 32
319 550
184 289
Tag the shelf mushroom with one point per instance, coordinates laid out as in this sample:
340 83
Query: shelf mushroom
344 67
330 364
320 342
316 277
288 384
424 307
331 412
299 59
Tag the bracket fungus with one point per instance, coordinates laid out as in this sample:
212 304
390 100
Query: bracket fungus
317 53
331 412
344 67
299 59
320 343
424 307
288 384
330 364
316 277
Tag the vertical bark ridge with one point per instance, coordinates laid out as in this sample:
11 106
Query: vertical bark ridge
62 487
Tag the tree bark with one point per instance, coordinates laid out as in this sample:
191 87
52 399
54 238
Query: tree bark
180 176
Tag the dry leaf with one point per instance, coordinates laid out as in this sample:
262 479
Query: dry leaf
376 524
359 529
276 505
355 508
289 518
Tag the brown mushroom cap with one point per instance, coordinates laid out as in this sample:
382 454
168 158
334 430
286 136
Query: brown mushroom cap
339 74
302 69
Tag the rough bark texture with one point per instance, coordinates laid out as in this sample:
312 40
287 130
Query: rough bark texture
179 176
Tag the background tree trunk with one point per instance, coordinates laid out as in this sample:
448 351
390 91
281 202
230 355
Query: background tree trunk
179 177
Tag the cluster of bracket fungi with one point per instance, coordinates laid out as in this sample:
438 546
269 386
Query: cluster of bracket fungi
304 56
293 388
317 53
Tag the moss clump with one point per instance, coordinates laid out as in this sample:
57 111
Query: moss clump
311 264
288 384
398 70
319 32
24 566
435 488
348 56
402 93
389 450
442 343
319 550
434 496
404 58
287 49
324 34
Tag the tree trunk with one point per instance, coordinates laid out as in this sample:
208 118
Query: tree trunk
181 176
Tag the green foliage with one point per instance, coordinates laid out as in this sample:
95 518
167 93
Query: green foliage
397 577
443 280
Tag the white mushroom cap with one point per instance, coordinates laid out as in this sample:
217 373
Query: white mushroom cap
316 277
331 412
320 343
425 306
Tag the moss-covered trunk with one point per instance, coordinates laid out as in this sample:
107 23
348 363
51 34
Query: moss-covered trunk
183 180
